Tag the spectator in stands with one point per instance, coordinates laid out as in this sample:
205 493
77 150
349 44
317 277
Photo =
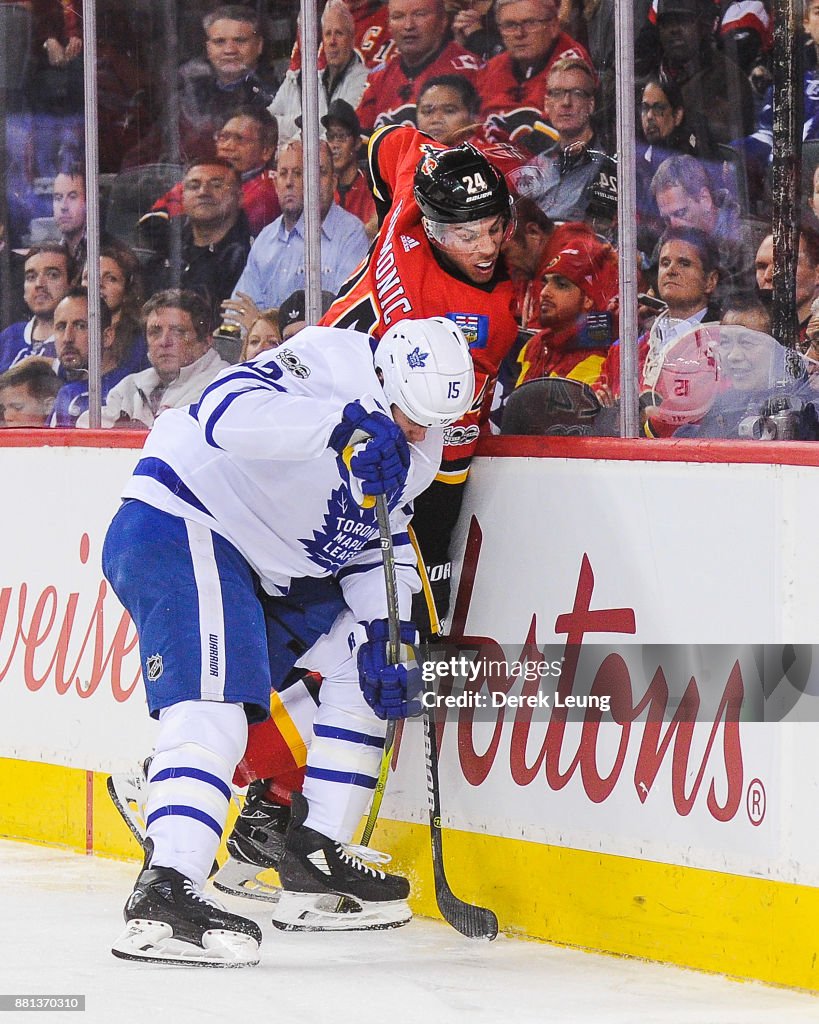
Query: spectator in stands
121 291
230 76
473 26
293 312
12 306
57 78
687 279
579 290
575 180
275 266
247 140
343 77
264 333
352 188
710 82
513 83
27 393
70 208
372 32
523 254
765 391
423 49
448 108
214 236
47 272
71 341
763 269
807 281
177 326
748 311
758 148
686 197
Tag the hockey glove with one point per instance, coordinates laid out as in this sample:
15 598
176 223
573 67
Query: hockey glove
390 690
383 463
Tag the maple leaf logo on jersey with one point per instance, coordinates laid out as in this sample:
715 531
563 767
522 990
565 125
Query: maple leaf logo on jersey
345 531
417 359
409 243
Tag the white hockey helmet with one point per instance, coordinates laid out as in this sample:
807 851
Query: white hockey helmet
427 370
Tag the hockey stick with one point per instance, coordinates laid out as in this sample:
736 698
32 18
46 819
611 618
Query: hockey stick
393 619
467 918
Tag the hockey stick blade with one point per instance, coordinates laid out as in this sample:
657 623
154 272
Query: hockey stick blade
467 918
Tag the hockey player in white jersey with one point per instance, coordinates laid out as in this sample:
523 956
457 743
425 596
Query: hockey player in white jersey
246 541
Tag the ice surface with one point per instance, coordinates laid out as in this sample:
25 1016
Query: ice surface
59 913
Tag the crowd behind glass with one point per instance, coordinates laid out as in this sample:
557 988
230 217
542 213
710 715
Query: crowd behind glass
201 172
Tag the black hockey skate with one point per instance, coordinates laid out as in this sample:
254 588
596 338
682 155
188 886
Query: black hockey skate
331 886
255 845
170 921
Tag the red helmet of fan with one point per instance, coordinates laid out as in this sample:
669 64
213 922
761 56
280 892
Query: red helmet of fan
685 382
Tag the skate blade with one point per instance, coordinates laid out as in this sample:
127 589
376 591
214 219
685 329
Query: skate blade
153 942
238 878
334 912
127 794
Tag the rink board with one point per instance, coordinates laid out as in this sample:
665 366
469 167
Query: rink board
708 860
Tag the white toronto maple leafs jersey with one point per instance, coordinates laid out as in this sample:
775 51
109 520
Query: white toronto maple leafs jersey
251 461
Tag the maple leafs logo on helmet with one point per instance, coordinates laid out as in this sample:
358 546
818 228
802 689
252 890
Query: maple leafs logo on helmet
417 359
426 370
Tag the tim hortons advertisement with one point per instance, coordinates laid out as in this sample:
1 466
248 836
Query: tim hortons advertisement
608 684
617 676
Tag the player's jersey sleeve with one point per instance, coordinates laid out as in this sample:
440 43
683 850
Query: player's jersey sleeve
389 152
282 406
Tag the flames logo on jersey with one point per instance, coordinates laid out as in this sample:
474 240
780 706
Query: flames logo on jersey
417 359
514 125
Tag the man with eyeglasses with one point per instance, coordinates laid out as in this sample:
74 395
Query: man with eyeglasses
575 180
228 77
423 49
177 328
513 83
247 140
352 188
208 246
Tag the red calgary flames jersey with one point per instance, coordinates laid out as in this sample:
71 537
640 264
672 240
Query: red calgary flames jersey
392 92
511 106
402 277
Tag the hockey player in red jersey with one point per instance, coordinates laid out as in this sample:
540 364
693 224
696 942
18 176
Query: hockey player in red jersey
445 214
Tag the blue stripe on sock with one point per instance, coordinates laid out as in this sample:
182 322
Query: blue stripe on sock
333 733
186 812
193 773
349 778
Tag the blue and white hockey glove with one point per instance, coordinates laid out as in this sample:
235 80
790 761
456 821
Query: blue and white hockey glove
380 463
390 690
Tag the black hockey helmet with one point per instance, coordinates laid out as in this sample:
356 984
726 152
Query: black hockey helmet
455 186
